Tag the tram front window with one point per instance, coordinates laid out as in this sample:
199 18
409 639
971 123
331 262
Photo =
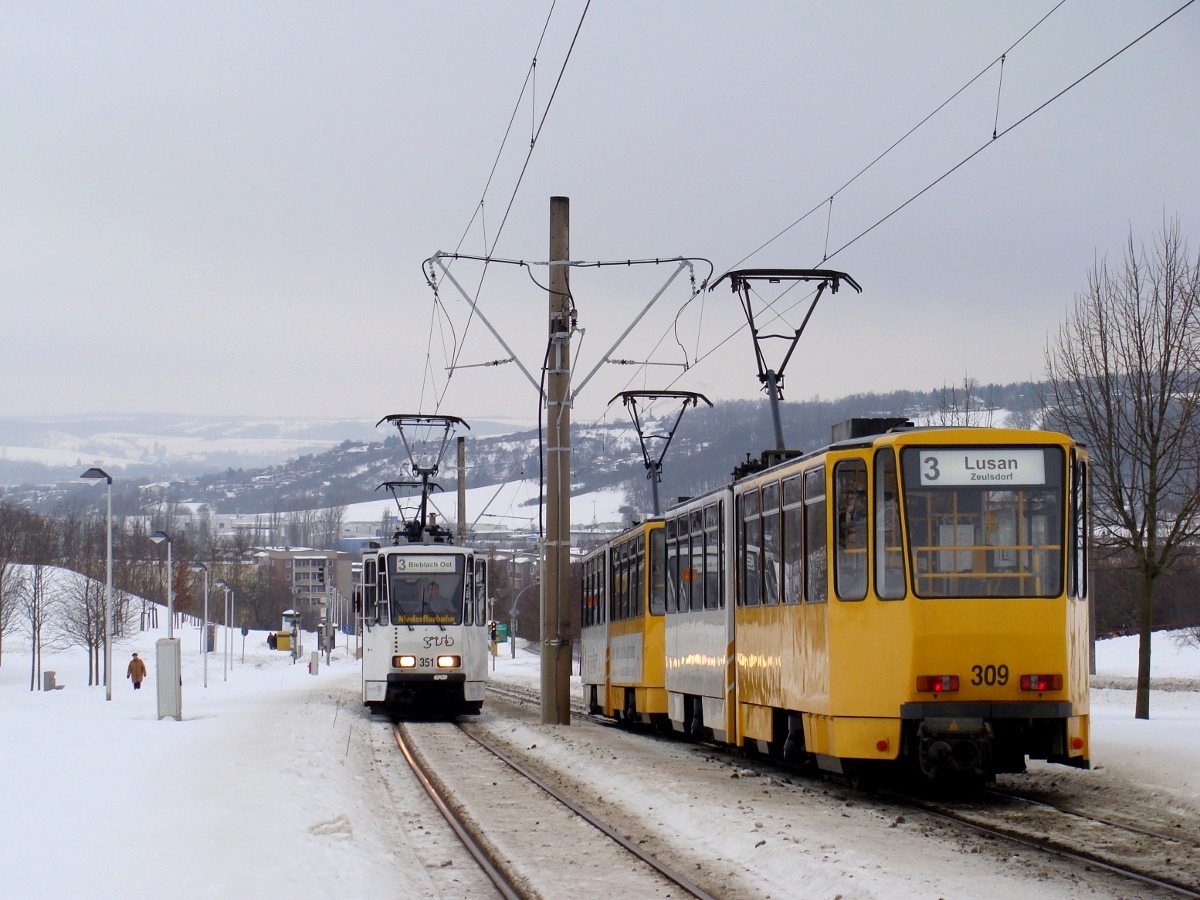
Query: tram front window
426 589
984 521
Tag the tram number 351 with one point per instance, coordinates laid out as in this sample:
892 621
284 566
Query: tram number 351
989 675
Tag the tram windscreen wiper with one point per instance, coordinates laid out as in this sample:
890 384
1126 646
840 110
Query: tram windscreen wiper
426 608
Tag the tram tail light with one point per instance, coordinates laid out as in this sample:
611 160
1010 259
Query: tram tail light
1041 682
937 684
449 662
404 662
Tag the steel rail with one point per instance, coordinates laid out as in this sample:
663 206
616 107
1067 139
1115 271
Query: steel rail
494 874
1048 845
664 870
1009 794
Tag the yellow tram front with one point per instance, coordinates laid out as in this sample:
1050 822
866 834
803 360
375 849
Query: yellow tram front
918 595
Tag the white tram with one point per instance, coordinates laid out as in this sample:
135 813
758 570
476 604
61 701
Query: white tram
425 629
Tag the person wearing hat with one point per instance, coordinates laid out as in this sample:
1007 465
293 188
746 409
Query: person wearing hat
136 671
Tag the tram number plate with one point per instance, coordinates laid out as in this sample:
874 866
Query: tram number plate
989 675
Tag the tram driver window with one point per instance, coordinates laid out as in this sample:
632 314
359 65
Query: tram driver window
850 528
889 549
815 540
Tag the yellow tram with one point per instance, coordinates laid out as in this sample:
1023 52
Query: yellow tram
918 594
622 625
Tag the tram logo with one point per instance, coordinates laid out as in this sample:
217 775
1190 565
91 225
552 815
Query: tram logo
439 641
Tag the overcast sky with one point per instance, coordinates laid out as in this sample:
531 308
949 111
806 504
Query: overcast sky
223 207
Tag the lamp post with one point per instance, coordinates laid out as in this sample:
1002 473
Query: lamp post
158 537
201 567
227 663
95 476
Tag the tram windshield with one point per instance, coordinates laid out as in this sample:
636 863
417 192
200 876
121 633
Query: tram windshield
985 521
425 589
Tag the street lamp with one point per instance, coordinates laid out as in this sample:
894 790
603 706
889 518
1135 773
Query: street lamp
514 615
201 567
158 537
95 476
227 663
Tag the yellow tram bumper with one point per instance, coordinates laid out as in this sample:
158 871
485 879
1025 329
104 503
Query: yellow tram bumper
848 737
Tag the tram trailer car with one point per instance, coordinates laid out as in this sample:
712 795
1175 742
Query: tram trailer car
425 630
917 596
622 627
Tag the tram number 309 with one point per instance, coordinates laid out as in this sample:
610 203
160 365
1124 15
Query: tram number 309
989 675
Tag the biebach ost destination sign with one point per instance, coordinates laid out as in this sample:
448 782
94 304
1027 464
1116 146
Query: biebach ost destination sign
956 466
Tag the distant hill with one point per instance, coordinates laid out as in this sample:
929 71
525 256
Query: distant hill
707 446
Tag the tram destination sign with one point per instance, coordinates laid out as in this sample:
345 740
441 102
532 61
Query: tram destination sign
425 565
998 466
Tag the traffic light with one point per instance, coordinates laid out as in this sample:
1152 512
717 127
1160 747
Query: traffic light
492 630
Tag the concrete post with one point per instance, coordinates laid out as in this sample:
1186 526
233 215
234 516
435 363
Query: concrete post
556 604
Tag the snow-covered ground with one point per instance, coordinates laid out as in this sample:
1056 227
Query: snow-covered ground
266 787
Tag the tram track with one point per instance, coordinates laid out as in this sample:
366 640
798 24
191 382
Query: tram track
1153 858
1170 864
510 840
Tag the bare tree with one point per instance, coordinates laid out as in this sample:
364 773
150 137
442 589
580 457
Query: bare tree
1124 377
329 522
81 621
39 548
965 408
12 527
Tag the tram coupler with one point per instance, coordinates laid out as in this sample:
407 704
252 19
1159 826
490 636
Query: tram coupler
962 745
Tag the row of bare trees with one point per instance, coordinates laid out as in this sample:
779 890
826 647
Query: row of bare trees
53 571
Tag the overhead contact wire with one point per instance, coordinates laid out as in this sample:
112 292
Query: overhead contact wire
1025 118
898 141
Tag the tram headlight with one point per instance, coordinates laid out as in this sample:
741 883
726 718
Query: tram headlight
449 662
404 662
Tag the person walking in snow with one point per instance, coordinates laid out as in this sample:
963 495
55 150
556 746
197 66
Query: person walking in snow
136 671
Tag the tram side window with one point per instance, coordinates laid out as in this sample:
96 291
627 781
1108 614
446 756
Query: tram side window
672 567
469 594
481 591
369 590
687 571
815 541
658 572
850 512
889 549
639 578
614 584
793 540
714 584
770 545
752 549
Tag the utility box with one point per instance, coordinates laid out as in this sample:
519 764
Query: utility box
314 663
48 681
283 640
169 676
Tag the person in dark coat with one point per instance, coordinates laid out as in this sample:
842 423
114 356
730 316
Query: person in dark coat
136 671
271 640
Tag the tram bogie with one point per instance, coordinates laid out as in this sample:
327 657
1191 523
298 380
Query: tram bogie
917 596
